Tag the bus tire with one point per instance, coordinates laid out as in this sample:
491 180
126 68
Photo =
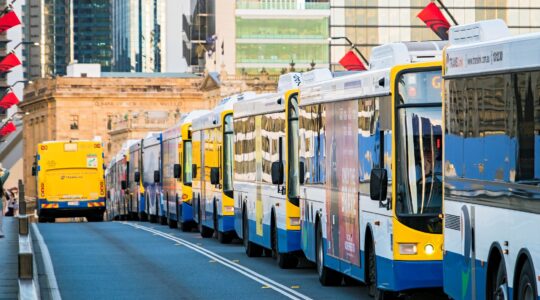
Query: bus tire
184 226
374 291
498 282
527 284
252 249
327 276
205 231
284 260
222 237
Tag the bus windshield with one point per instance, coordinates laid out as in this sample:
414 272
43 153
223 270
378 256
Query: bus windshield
419 149
228 153
187 163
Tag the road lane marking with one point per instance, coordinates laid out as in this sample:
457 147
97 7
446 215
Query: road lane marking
265 281
47 263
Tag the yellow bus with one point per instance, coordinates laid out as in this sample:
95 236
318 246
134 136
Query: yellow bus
212 170
70 180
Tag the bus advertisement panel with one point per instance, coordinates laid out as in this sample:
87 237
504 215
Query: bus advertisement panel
341 188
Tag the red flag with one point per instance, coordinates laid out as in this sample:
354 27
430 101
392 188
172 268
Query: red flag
7 129
351 62
9 20
434 19
9 100
9 62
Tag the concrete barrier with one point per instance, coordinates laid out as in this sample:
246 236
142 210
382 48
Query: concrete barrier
28 283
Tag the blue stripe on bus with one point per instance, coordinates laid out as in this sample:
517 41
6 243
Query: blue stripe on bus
288 240
457 277
396 275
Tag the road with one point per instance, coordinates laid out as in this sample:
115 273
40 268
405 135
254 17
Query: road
132 260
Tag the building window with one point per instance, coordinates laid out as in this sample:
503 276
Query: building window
74 122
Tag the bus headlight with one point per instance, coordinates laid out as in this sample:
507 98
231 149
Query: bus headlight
408 249
294 221
429 249
228 209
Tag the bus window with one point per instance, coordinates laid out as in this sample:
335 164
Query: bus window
419 152
187 163
293 155
228 153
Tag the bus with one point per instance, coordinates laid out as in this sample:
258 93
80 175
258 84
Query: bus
369 170
117 174
212 138
70 180
266 218
151 177
177 180
491 163
135 188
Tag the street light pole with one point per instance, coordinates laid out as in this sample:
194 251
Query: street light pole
352 45
25 43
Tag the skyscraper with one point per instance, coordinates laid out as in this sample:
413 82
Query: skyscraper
147 35
92 38
67 30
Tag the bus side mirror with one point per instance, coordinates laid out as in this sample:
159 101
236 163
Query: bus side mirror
137 177
34 171
214 175
177 171
123 183
302 172
156 176
277 173
378 184
194 171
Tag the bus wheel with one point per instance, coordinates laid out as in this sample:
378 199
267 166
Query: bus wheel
499 285
252 250
527 284
222 237
205 231
184 226
374 291
327 276
284 260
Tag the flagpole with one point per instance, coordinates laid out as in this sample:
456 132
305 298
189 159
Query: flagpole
447 12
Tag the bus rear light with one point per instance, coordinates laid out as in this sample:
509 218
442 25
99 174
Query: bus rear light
184 196
228 209
101 187
293 221
42 189
408 249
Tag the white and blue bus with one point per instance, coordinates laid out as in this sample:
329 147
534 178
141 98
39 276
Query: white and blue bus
151 178
491 163
370 172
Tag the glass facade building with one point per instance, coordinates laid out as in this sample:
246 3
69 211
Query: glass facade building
274 34
92 32
139 35
369 23
66 30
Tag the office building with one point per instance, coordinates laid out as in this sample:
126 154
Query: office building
147 35
369 23
67 31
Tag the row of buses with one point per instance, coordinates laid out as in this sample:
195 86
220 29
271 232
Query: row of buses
418 173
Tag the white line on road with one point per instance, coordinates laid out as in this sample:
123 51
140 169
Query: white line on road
286 291
47 263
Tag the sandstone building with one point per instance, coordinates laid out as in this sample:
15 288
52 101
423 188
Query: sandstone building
85 107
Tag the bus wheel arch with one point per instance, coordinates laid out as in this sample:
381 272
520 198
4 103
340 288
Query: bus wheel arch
496 274
524 277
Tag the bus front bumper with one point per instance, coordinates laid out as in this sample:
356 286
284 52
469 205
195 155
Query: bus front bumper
395 275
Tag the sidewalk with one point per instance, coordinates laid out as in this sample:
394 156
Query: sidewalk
9 248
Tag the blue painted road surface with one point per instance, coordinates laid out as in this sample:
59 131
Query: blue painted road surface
132 260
